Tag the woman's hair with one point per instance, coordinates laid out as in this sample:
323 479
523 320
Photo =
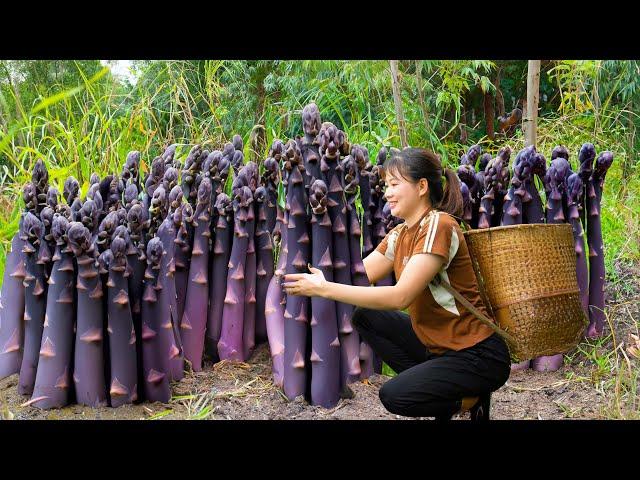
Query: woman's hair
416 163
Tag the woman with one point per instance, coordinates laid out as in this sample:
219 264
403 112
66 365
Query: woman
447 360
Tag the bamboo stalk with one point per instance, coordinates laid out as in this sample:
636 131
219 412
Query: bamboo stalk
397 100
529 123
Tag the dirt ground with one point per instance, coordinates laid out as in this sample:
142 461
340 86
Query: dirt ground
239 391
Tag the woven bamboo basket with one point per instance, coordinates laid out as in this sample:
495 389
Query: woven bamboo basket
527 278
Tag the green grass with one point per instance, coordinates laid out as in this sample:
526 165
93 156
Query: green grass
91 128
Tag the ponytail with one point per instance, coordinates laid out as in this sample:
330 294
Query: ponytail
452 196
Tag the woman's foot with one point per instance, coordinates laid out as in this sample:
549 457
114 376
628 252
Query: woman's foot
480 411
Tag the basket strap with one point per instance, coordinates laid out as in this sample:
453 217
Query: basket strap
477 313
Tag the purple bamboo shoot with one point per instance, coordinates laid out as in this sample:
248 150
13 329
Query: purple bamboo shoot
596 250
152 181
264 271
155 349
358 274
331 140
53 377
478 191
299 255
495 179
517 195
123 387
251 267
275 309
586 156
169 333
533 210
71 190
361 156
574 194
249 174
131 170
12 304
309 144
556 188
270 181
88 371
37 255
40 179
325 344
182 257
194 319
230 344
274 317
466 202
218 269
169 157
514 202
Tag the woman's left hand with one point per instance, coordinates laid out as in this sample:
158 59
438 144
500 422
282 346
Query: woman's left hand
305 284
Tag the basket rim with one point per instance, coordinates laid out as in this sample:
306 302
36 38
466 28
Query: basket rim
523 226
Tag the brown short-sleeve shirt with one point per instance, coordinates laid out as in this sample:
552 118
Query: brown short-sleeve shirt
440 322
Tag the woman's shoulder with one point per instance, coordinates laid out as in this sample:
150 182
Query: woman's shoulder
436 218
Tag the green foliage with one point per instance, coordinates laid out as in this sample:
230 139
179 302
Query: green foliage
80 119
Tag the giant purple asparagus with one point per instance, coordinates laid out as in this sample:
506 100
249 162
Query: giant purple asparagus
218 268
194 319
325 344
264 269
88 372
298 244
53 377
37 255
596 251
230 344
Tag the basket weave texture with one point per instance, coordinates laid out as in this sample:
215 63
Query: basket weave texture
527 277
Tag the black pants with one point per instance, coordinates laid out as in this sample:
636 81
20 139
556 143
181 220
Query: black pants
427 384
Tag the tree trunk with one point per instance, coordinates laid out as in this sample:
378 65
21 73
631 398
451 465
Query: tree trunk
499 95
489 114
626 165
423 106
397 100
531 113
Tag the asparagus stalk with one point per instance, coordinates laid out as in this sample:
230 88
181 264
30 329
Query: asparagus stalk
218 269
122 338
156 350
88 372
230 344
358 273
361 156
264 250
194 319
596 250
53 376
37 255
299 255
309 144
331 140
169 334
275 307
574 193
586 156
496 176
556 188
325 345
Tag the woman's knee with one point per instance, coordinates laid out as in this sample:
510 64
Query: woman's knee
390 397
360 317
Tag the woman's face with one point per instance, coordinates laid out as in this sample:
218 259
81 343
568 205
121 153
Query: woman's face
403 196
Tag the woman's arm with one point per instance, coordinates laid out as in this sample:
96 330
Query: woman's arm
377 266
419 271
